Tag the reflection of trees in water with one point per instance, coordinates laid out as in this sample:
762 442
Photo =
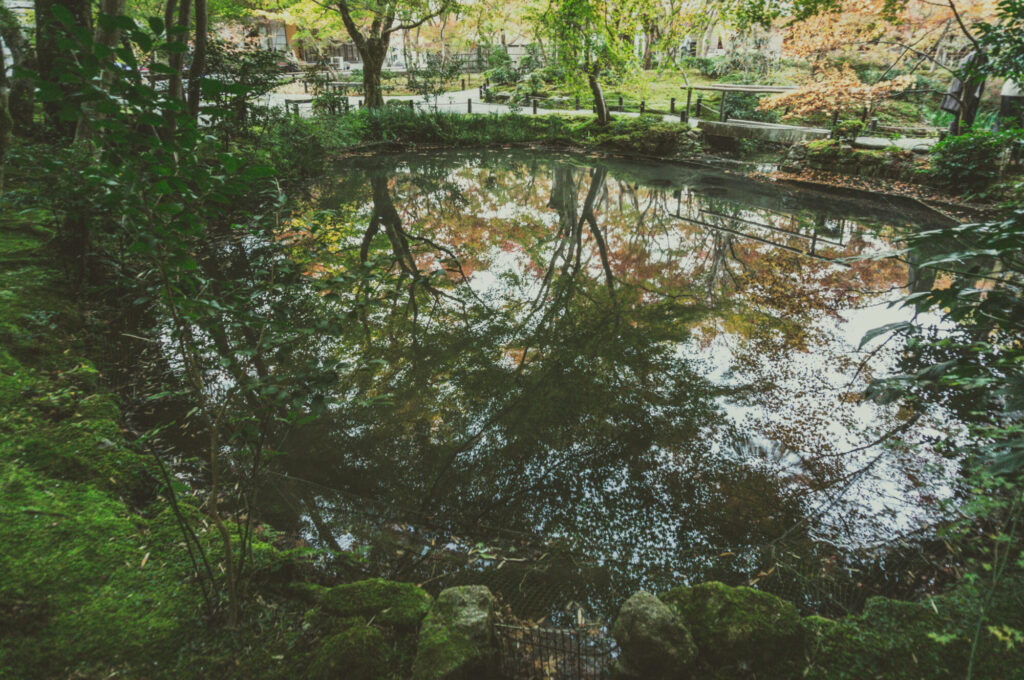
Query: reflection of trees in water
560 406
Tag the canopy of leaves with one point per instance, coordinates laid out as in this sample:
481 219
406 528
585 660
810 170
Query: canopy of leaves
836 89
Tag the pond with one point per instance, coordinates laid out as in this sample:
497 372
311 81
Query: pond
570 378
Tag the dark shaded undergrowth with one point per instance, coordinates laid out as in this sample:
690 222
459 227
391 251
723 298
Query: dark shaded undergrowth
302 144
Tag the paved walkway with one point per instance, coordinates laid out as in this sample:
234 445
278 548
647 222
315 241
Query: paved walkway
450 102
459 102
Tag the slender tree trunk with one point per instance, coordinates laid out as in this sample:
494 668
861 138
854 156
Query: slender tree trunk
6 123
198 68
177 59
170 10
603 116
109 39
21 92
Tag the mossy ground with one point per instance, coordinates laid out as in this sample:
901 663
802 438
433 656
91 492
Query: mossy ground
96 580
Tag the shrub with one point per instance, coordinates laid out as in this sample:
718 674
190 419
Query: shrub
847 130
500 69
648 135
973 161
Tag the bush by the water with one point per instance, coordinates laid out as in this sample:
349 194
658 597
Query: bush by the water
975 160
300 145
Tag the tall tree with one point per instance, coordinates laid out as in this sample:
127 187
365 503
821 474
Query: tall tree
6 123
198 67
371 23
593 38
108 35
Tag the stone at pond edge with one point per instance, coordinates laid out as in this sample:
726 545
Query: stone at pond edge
653 642
387 603
743 631
457 637
359 652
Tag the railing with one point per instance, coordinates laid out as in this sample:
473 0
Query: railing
585 653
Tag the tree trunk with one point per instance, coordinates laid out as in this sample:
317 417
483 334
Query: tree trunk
177 59
108 39
373 53
603 116
21 91
6 123
705 43
198 69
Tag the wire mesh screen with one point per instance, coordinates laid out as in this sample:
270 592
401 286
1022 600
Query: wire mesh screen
535 653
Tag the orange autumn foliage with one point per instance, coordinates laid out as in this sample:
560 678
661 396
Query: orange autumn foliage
835 89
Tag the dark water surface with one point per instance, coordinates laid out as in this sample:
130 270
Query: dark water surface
571 378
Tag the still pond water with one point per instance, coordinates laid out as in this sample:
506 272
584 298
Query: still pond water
599 375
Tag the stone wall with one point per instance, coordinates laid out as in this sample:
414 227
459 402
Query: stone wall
834 156
711 631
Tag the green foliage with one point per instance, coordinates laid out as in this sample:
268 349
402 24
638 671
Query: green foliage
649 135
309 141
973 161
431 79
500 69
1003 41
847 130
168 208
895 639
234 78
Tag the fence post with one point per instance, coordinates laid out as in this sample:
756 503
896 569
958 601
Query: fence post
620 104
700 101
577 103
835 118
463 84
305 86
689 94
643 106
683 116
721 114
469 106
535 107
672 105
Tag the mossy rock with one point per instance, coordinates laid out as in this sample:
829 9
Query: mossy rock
387 603
359 652
653 642
740 631
457 637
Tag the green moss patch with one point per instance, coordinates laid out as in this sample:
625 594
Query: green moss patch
387 603
358 652
739 631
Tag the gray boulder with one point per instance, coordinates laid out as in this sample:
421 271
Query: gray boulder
457 637
653 642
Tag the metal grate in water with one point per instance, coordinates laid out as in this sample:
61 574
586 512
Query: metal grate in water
535 653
